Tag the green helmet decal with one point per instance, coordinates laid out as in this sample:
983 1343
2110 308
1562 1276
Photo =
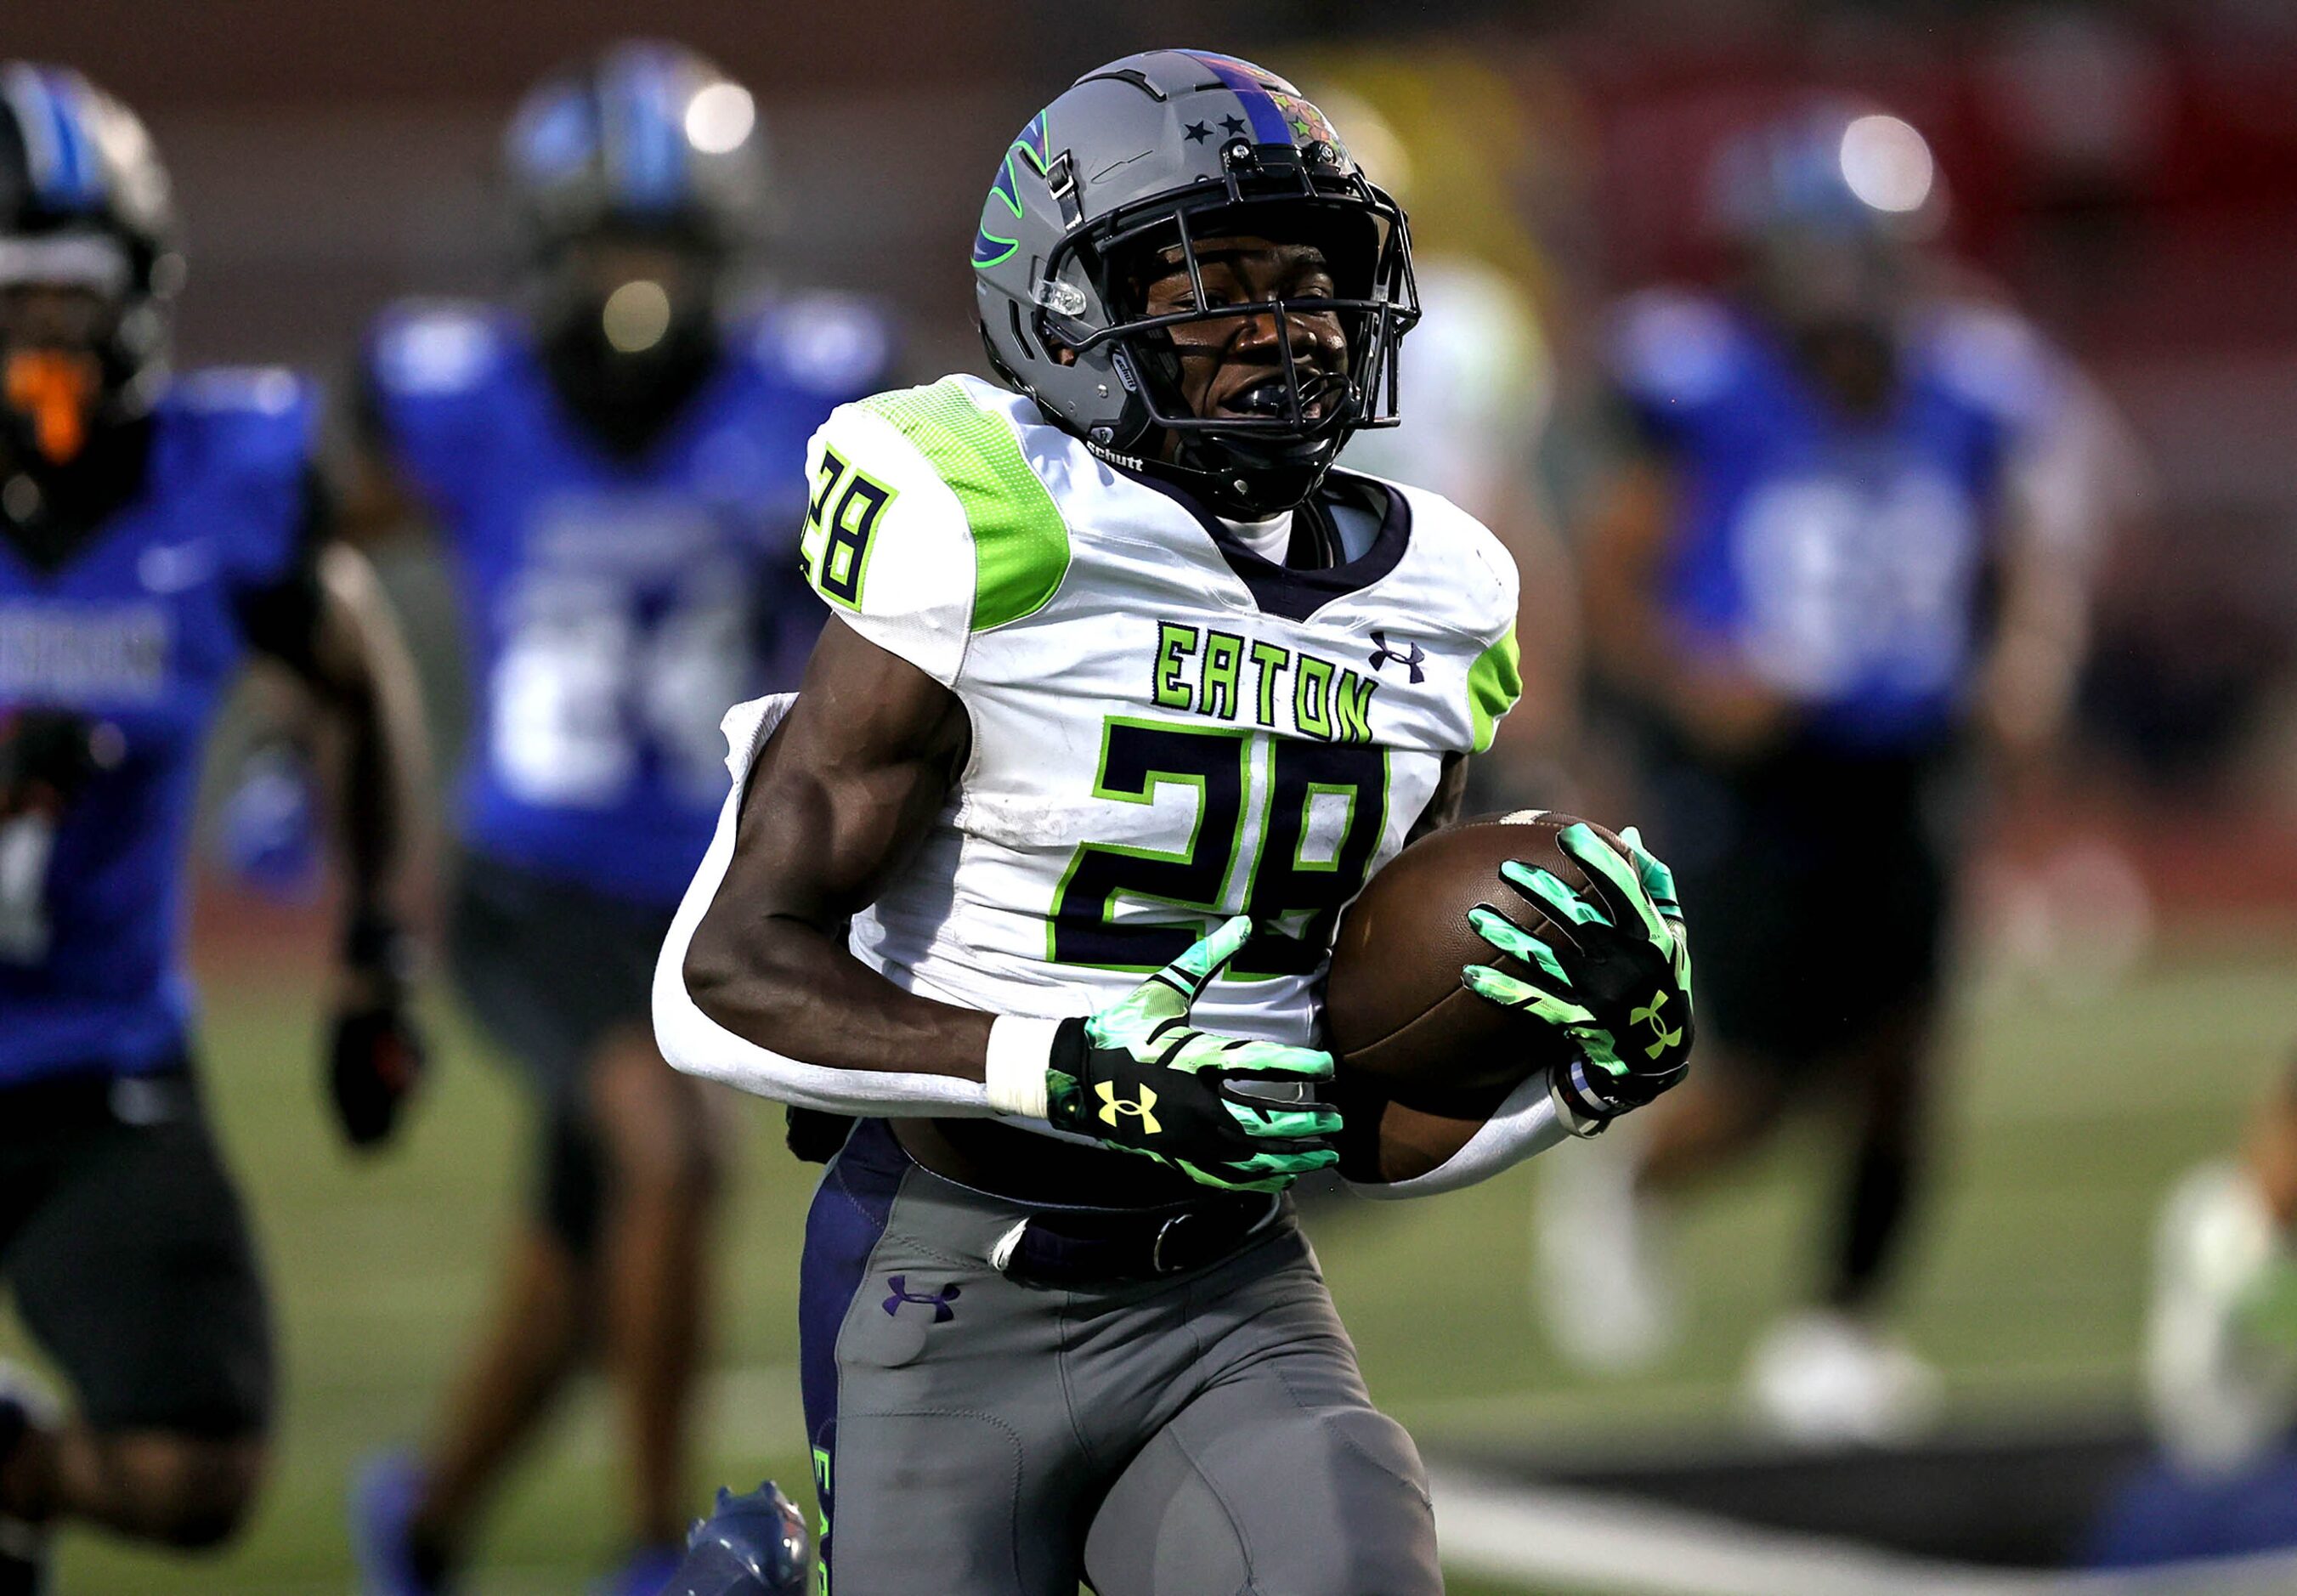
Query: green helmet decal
1034 143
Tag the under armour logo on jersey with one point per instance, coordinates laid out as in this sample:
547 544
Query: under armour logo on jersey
938 1301
1411 656
1648 1016
1112 1106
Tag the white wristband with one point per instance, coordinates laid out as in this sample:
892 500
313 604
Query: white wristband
1567 1112
1020 1050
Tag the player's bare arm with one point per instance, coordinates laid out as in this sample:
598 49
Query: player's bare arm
1625 537
372 502
2033 662
1718 707
842 795
359 666
334 630
838 800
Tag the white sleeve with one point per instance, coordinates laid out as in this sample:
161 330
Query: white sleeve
698 1045
1524 1124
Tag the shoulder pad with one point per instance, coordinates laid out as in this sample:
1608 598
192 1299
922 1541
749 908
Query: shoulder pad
1994 360
1480 597
926 524
1673 346
1465 582
435 348
253 422
826 343
244 390
246 436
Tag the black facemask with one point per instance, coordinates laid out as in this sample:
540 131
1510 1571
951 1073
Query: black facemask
1261 464
1247 479
47 510
628 398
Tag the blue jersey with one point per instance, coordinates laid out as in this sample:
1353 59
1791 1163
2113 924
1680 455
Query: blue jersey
616 607
130 643
1841 560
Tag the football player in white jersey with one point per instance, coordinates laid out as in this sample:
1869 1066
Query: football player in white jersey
1124 682
2221 1333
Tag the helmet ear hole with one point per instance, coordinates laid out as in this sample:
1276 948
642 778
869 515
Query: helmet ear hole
997 361
1020 337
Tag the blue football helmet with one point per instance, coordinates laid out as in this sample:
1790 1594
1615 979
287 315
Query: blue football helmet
638 184
84 205
647 138
1834 166
1823 209
750 1545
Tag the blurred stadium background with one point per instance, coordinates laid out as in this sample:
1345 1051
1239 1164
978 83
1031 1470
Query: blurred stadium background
2128 173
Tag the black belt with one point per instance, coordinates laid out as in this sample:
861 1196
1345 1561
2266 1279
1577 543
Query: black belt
1069 1248
85 1099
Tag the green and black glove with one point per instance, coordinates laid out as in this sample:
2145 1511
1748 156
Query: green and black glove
1137 1076
1617 978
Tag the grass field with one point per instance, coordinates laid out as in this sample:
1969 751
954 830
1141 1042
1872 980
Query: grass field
2027 1287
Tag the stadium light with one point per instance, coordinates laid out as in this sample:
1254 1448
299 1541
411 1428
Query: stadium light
719 116
1887 163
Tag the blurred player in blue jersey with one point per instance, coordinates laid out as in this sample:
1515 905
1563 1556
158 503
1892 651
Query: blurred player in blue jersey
615 465
155 530
1816 586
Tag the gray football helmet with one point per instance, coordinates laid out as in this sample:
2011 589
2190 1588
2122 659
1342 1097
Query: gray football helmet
1153 154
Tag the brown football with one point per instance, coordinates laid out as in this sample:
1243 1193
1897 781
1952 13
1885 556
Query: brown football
1423 1061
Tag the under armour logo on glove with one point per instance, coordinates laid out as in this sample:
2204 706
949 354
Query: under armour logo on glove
1411 656
1111 1106
1138 1077
1648 1016
938 1301
1595 951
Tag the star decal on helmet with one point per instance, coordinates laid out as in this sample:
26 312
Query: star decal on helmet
1198 132
1232 126
1307 123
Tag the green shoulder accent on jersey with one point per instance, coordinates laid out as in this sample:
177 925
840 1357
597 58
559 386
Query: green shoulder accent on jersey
1495 682
1020 543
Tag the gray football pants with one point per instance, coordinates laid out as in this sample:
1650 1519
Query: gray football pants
1206 1435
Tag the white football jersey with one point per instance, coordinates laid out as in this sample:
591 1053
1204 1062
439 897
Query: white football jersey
1167 729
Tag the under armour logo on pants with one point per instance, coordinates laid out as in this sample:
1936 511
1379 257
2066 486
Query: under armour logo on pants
939 1301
